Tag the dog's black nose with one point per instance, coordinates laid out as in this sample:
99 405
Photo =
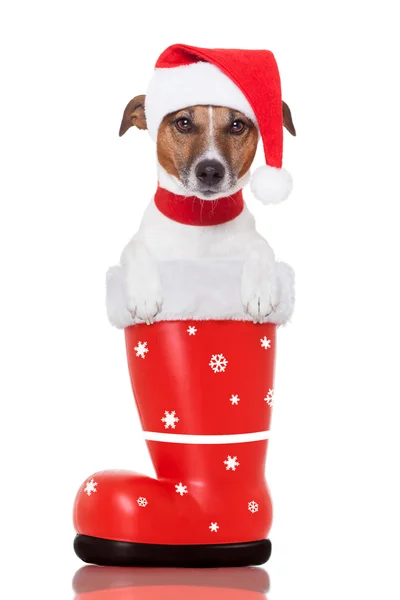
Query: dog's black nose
210 172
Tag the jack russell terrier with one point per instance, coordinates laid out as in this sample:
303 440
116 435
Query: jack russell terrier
204 155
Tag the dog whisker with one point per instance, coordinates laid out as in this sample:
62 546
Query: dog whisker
214 205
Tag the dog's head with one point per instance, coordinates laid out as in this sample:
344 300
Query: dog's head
208 150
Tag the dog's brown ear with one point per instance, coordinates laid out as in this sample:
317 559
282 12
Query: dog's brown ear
134 115
287 119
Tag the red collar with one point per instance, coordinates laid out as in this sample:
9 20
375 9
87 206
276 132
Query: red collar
190 210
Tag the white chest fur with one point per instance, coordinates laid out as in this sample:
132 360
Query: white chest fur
169 240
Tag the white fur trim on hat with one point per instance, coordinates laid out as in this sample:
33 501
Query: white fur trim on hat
271 185
200 83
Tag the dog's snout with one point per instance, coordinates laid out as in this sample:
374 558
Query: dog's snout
210 172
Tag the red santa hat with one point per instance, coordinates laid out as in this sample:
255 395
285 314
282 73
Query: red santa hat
245 80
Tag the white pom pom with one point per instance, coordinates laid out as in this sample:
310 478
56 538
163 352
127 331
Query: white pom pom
271 185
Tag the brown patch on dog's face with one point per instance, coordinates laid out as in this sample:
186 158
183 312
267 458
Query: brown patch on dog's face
177 149
236 138
208 148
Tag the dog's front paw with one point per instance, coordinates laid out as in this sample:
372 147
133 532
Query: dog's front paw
144 302
142 282
144 295
260 295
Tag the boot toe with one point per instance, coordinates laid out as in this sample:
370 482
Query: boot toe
129 507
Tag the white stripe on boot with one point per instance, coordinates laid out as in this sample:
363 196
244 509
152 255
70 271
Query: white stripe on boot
183 438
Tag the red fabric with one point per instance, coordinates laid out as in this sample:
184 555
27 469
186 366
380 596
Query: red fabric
256 74
191 210
175 376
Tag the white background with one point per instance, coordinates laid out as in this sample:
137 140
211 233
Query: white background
72 194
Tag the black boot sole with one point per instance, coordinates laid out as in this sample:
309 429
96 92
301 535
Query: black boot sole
103 552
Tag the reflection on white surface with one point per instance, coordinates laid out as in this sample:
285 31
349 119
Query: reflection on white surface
114 583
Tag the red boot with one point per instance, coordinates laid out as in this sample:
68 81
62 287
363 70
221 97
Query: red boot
204 391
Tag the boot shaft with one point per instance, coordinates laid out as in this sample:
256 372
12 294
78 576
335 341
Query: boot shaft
206 387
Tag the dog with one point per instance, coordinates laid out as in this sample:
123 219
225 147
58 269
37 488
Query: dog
207 152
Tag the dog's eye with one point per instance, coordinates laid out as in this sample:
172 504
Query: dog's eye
184 125
238 127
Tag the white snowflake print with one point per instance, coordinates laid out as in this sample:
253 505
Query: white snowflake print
191 330
231 463
253 507
234 399
181 489
142 502
90 487
218 363
265 342
214 527
269 398
170 419
141 349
